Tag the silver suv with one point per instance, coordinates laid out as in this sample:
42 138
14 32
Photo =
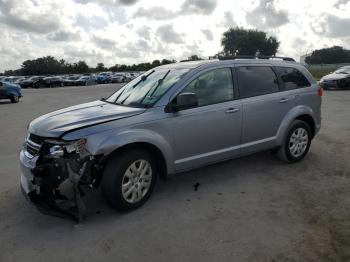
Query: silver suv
170 119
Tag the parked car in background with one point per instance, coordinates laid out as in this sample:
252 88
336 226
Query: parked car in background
224 108
134 75
10 91
19 80
11 79
118 78
339 79
103 78
128 77
34 82
53 81
70 80
85 81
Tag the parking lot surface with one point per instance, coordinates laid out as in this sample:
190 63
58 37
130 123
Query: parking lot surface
255 208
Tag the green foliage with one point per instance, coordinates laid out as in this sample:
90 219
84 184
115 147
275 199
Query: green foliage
51 66
100 67
194 58
331 55
140 67
240 41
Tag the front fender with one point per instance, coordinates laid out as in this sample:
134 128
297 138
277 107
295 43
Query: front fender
111 142
289 118
13 89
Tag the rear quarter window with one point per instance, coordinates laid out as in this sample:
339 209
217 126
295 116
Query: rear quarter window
291 78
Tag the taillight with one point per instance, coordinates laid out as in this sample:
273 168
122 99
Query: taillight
320 91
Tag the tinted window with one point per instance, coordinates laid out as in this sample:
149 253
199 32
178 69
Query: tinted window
291 78
256 80
212 87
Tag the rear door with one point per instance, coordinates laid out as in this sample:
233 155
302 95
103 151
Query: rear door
210 132
264 106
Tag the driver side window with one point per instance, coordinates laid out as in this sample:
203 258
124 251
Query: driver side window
212 87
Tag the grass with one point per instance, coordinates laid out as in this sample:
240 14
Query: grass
318 73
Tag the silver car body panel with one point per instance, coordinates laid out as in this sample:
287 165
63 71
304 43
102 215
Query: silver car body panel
190 138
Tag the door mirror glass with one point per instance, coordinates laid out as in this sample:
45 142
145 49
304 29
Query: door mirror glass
184 101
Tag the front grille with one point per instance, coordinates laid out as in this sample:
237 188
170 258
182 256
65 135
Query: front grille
36 139
33 144
32 150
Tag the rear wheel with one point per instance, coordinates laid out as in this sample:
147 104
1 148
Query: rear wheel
129 179
297 142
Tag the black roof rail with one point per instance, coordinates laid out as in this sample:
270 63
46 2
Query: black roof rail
256 57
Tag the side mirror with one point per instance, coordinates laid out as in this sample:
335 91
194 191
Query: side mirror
183 101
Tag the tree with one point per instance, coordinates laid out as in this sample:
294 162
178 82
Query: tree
167 61
194 58
81 67
49 65
155 63
331 55
43 66
240 41
100 67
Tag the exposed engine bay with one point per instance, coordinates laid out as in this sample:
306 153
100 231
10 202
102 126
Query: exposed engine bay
61 162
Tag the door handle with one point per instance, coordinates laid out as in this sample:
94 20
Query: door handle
231 110
283 100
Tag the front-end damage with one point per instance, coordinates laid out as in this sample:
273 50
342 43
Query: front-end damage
50 167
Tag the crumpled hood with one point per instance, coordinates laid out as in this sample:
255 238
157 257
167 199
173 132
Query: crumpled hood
75 117
334 77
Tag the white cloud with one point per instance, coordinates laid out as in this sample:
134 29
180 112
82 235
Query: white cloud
135 31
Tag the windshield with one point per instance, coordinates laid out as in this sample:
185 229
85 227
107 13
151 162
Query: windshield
343 70
148 88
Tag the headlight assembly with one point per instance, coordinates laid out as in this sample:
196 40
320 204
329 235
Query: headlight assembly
58 148
56 151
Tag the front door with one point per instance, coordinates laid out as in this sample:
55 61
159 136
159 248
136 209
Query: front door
3 92
211 131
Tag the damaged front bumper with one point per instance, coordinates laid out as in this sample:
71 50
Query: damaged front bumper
42 179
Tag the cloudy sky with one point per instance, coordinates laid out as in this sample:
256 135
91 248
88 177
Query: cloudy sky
134 31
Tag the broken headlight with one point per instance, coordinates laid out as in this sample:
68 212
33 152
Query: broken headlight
59 148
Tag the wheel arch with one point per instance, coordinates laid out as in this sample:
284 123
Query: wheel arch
302 113
149 147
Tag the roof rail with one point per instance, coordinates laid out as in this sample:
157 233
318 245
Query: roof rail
255 57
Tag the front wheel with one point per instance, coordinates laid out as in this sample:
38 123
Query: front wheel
297 142
129 179
14 99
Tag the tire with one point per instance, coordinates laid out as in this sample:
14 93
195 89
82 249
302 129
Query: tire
119 172
296 143
14 99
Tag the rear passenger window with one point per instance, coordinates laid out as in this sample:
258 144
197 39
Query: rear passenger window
256 80
291 78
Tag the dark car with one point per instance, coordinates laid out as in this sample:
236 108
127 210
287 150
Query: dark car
34 81
53 81
340 79
85 81
10 91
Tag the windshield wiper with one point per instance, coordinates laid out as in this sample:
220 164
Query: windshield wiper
143 78
160 81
